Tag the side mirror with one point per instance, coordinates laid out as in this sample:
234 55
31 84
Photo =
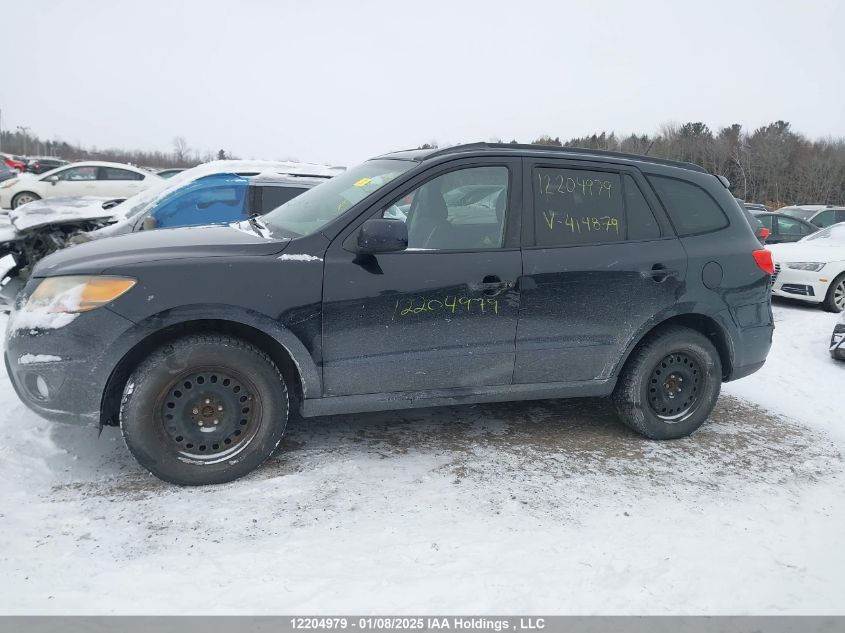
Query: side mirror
150 223
53 180
381 235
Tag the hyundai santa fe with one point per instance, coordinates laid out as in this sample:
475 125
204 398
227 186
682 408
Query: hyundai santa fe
477 273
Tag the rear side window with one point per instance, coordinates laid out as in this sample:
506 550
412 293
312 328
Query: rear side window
825 218
272 197
113 173
576 206
766 220
791 226
690 208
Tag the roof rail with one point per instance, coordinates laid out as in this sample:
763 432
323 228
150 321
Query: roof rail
471 147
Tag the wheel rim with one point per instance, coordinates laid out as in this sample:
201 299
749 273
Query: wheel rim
209 415
675 387
23 199
839 295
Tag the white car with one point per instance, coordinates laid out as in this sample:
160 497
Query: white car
91 178
812 269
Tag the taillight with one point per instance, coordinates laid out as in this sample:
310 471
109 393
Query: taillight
763 258
764 232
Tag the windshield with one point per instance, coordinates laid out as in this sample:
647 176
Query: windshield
317 207
832 236
795 212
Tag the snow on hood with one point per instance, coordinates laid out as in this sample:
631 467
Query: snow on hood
59 211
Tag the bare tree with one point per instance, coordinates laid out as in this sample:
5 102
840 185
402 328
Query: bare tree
181 150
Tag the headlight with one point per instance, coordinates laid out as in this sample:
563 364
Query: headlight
8 183
814 266
76 293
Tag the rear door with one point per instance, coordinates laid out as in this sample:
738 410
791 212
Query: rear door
443 313
600 262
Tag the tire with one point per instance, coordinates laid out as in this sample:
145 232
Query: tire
667 408
204 409
834 300
23 197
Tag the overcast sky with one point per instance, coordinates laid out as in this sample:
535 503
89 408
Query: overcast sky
338 82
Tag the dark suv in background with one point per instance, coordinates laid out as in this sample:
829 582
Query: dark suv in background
476 273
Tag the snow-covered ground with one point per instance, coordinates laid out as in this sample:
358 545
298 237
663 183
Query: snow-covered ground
541 507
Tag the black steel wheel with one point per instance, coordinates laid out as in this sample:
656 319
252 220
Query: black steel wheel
669 384
673 390
204 409
210 414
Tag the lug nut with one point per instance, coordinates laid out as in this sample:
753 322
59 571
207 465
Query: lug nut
207 401
220 407
215 422
196 411
200 422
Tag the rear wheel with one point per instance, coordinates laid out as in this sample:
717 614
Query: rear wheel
23 197
204 410
670 384
834 301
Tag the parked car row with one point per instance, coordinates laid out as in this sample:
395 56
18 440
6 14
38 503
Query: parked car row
213 193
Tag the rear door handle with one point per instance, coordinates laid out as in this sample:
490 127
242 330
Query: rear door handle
659 272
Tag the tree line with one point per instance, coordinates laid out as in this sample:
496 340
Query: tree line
772 164
182 155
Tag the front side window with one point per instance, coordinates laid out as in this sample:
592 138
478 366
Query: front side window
317 207
577 206
114 173
75 174
691 209
461 210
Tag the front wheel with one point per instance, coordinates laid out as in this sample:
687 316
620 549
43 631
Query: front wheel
24 197
670 384
834 301
204 409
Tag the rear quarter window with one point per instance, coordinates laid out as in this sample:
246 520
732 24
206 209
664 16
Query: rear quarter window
691 209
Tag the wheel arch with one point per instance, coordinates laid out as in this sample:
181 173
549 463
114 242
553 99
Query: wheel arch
707 325
286 351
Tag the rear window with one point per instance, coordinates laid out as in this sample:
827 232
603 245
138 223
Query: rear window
691 209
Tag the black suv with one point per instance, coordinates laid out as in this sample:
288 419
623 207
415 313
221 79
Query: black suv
476 273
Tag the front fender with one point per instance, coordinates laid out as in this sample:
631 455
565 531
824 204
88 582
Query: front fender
308 370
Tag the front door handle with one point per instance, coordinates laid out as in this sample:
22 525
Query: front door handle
659 273
491 285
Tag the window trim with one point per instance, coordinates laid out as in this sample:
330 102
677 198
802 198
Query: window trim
680 234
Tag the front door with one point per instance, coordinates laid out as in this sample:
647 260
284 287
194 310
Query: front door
74 182
600 262
443 313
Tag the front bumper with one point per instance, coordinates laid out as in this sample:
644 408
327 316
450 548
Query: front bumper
6 197
61 373
837 342
805 285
